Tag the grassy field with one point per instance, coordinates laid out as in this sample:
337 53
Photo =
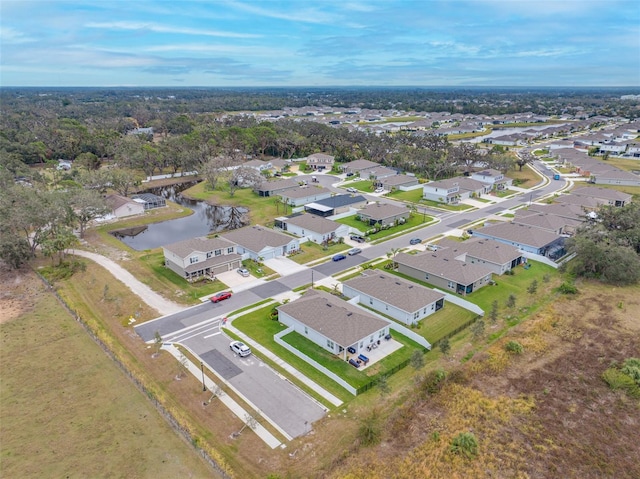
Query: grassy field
413 221
626 164
66 409
311 251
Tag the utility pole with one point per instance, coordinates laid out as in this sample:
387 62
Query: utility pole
204 387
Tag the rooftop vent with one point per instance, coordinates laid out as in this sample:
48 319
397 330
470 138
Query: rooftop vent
349 313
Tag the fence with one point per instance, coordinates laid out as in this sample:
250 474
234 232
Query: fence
456 331
278 339
167 415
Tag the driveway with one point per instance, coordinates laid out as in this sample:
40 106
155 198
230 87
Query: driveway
234 280
284 266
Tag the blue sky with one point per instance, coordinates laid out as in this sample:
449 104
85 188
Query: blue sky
320 42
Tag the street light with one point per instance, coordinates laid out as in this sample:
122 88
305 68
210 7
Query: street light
204 388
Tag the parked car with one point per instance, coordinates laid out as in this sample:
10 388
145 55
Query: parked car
357 238
240 348
415 241
350 174
353 251
243 272
352 190
221 296
339 257
379 190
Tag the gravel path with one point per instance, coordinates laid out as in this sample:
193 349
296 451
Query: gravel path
153 299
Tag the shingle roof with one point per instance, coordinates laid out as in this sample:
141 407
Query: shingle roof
304 192
116 201
444 267
357 165
565 210
201 245
582 201
314 223
400 293
546 221
399 180
380 211
334 318
601 193
521 234
490 250
256 238
278 184
340 200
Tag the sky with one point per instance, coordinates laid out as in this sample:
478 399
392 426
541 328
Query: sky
221 43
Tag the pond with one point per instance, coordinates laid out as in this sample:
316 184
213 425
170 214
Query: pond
205 219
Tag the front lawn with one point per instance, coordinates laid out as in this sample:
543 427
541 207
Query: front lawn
413 221
312 251
365 186
412 196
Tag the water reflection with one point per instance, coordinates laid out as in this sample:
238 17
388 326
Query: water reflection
205 219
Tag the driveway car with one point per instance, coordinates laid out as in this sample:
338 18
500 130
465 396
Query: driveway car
415 241
222 295
243 272
240 348
353 251
357 238
379 190
350 174
339 257
351 189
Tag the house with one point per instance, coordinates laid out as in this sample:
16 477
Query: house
493 255
121 206
396 182
260 243
150 201
331 323
258 165
614 149
335 205
359 166
615 176
313 228
452 190
403 300
383 214
305 194
525 237
275 187
444 271
381 172
585 202
492 177
198 257
320 161
605 195
564 210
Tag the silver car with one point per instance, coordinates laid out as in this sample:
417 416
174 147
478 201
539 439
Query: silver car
353 251
240 348
244 272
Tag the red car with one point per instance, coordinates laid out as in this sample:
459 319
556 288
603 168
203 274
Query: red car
222 295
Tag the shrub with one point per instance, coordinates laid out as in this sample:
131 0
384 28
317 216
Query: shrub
567 288
631 368
370 431
514 347
616 379
465 444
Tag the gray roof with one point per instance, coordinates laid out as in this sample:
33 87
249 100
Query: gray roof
358 165
462 182
304 192
212 262
320 158
602 193
582 201
314 223
116 201
520 234
398 292
380 211
334 318
489 250
565 210
276 185
256 238
445 267
200 245
546 221
340 200
399 180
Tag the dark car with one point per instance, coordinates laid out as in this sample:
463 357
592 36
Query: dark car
339 257
415 241
222 295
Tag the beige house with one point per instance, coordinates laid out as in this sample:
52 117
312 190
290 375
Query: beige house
197 257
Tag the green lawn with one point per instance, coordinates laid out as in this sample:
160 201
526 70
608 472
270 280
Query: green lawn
443 322
504 193
412 196
258 270
365 186
482 200
193 291
413 221
312 251
540 152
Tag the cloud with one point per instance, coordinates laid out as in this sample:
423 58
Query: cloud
12 36
153 27
295 14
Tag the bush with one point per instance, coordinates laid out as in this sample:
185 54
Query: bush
370 431
616 379
465 444
567 288
514 347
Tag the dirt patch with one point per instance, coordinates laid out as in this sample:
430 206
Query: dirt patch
20 290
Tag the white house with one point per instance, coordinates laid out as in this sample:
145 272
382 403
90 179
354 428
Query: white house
304 195
313 228
257 242
403 300
492 177
453 190
121 206
331 323
197 257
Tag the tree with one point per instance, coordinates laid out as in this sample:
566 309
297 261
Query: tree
157 343
88 160
533 287
383 386
87 205
511 301
477 329
493 315
370 430
444 346
123 180
14 250
417 359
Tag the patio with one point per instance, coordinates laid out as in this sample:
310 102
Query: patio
377 353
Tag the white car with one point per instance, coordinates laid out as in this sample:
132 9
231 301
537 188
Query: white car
240 348
379 190
352 190
244 272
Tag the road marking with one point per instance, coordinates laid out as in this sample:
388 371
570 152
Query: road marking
211 335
